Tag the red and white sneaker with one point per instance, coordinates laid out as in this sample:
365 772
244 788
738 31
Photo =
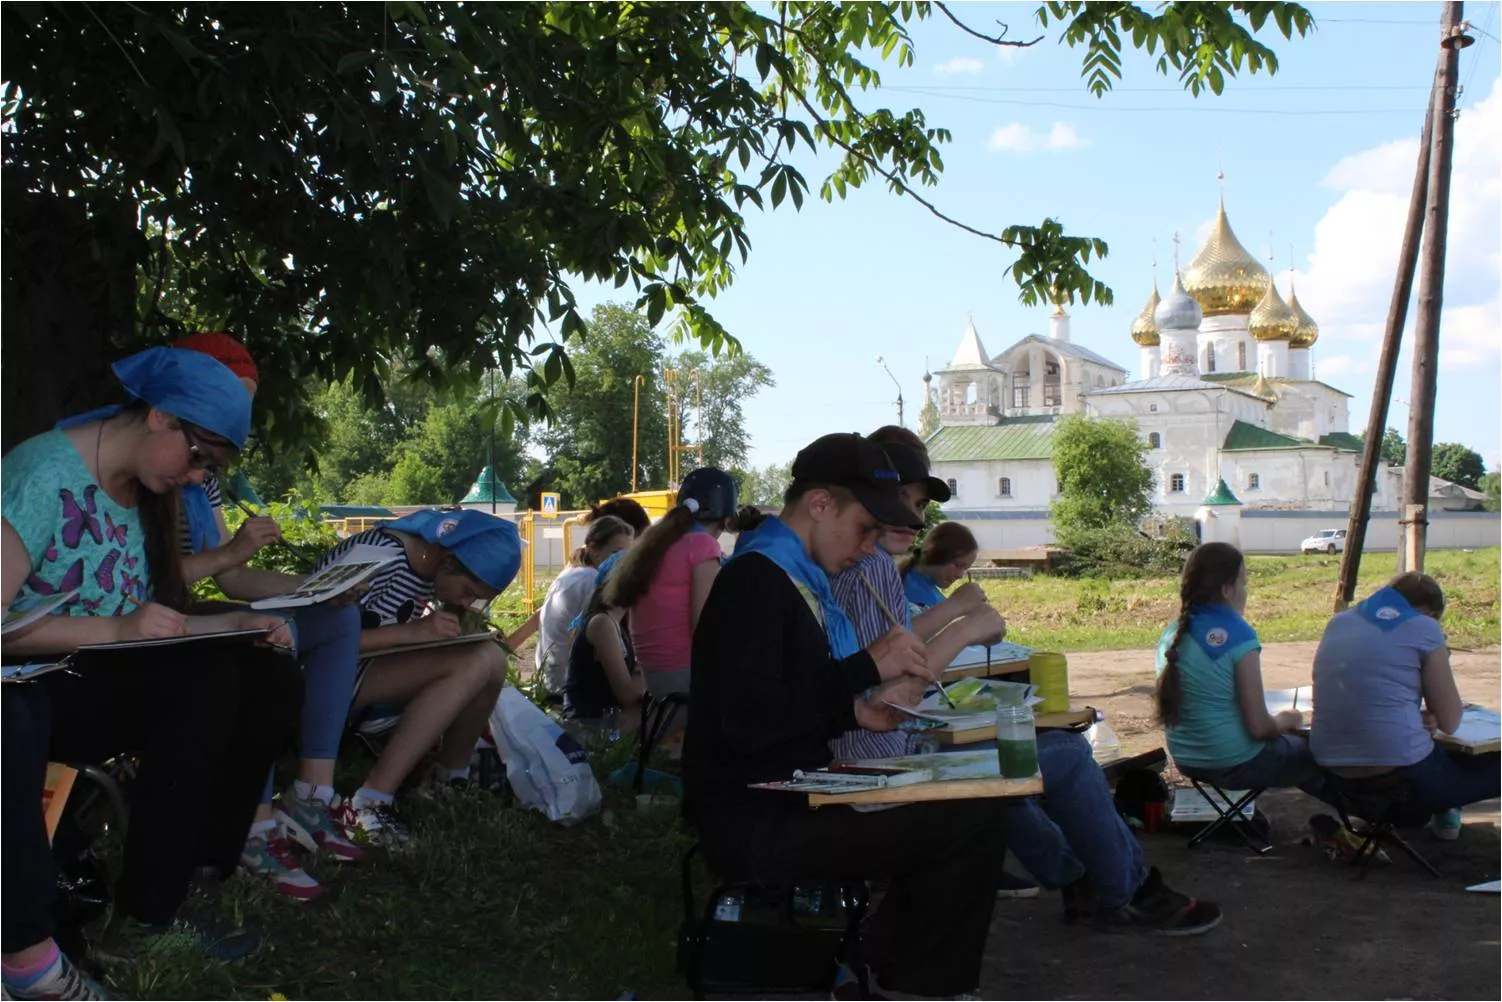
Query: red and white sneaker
319 827
273 858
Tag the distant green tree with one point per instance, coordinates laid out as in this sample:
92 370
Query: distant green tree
1394 449
1103 476
724 384
1491 485
1454 462
765 486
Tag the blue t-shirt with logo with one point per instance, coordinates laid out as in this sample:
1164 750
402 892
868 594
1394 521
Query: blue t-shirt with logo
1211 733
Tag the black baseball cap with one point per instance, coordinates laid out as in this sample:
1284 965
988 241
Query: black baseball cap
913 470
861 467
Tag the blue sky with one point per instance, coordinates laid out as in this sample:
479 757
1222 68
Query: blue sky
1318 158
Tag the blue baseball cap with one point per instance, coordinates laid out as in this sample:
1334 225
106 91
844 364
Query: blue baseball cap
490 548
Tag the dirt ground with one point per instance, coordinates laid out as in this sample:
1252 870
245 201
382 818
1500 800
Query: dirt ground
1296 926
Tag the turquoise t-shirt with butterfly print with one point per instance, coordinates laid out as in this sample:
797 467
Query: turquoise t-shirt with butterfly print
1211 733
78 539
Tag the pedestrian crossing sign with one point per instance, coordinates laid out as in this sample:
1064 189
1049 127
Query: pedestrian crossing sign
549 505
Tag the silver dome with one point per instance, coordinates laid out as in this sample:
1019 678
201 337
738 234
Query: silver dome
1178 311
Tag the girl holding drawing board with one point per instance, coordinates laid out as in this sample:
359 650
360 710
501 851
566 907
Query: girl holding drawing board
456 559
327 638
90 509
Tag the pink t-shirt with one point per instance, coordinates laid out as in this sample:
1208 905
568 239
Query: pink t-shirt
662 621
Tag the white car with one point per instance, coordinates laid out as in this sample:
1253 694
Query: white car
1324 541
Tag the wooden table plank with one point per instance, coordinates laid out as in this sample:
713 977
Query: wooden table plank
1044 721
993 670
945 789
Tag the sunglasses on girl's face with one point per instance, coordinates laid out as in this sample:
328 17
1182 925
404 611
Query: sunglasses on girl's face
199 457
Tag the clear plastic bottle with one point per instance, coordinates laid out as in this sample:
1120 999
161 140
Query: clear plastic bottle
1016 742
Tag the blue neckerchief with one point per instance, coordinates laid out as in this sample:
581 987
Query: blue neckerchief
781 545
1386 609
921 590
1217 628
198 513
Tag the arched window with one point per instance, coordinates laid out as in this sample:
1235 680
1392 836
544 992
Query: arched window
1004 487
1209 358
1154 440
1176 484
1241 357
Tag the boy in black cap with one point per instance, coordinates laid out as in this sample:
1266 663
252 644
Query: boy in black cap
778 673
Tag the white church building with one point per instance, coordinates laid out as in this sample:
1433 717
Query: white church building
1239 435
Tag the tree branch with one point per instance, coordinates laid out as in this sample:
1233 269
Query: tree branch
993 39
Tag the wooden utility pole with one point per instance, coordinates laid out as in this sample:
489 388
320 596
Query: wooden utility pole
1372 463
1423 382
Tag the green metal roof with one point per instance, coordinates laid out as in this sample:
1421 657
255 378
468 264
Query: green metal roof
1342 440
1245 437
1221 496
480 493
1013 438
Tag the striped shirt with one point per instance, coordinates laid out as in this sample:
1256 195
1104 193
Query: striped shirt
879 570
216 498
397 595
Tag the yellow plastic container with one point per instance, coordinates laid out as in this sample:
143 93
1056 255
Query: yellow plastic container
1050 673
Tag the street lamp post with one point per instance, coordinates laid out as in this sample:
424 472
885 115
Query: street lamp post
882 362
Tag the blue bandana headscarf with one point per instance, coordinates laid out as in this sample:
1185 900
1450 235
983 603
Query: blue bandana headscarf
490 548
779 544
921 590
189 385
1387 608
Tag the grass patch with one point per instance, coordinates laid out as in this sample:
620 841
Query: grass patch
495 902
1289 598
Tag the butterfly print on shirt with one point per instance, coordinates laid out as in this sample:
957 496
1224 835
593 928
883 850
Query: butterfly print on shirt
78 520
112 531
72 578
104 574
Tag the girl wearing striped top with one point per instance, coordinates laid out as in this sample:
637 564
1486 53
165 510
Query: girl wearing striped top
450 560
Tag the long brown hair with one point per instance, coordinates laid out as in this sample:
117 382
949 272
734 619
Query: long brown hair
159 515
1210 568
1420 590
603 531
634 575
944 544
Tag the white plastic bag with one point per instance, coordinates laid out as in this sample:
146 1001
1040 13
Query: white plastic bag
547 769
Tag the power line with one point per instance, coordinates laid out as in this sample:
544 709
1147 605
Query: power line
1161 90
1465 88
1206 109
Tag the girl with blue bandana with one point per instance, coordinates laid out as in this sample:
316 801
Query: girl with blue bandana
90 517
1383 685
948 552
1209 696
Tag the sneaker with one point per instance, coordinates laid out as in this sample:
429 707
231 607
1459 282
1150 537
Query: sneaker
1158 907
438 783
1445 825
1009 885
127 939
377 824
66 981
274 859
319 827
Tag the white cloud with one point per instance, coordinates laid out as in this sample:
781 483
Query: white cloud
1348 282
1019 138
1341 365
959 64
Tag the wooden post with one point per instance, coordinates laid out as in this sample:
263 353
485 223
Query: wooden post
1423 383
1372 464
1414 517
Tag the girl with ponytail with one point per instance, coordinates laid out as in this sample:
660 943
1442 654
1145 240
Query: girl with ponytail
664 580
570 593
1209 693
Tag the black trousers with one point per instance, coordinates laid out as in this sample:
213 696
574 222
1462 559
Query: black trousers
208 729
30 884
942 861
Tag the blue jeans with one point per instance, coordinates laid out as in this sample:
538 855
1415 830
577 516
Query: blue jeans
1073 830
1442 780
328 647
1283 761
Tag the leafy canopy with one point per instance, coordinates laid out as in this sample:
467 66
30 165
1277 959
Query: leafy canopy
349 185
1454 462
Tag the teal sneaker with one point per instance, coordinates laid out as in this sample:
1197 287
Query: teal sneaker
319 827
274 859
1445 825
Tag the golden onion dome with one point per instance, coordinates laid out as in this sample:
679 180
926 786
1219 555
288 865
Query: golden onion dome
1307 332
1145 328
1223 277
1272 320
